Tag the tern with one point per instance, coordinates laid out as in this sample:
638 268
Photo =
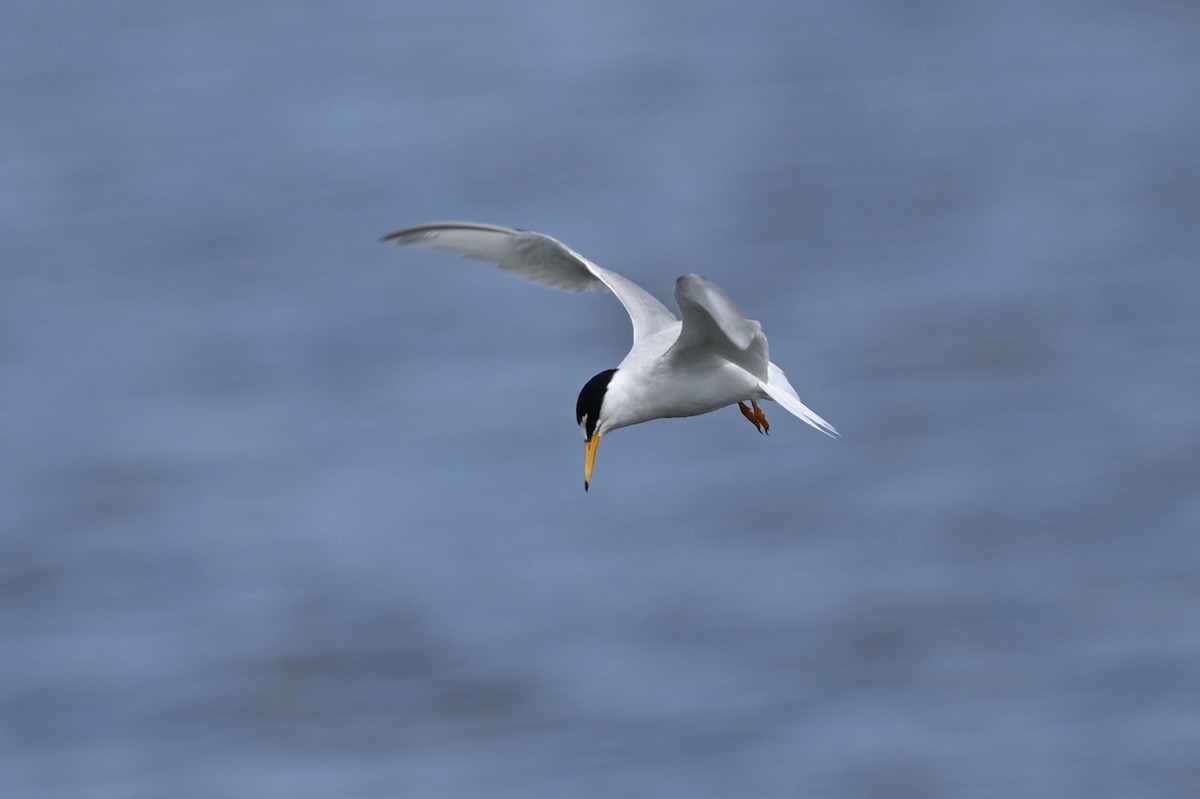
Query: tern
711 358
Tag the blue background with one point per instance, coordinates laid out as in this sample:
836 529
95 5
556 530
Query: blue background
285 512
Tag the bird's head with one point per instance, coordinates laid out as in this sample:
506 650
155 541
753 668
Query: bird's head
589 413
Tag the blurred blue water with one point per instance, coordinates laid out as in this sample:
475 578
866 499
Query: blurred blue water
285 512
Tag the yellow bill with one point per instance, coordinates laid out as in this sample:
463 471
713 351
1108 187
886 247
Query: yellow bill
589 458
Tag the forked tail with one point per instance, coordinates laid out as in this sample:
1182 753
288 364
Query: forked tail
779 389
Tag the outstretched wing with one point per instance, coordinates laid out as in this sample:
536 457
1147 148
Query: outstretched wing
541 259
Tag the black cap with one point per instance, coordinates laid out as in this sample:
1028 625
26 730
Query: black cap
591 397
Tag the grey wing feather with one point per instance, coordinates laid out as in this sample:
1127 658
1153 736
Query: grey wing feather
531 255
708 304
542 259
713 323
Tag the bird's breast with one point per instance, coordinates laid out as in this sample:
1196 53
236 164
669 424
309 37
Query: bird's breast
661 390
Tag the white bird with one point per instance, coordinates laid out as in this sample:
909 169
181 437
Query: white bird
714 357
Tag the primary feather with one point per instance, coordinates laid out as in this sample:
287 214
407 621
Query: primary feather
542 259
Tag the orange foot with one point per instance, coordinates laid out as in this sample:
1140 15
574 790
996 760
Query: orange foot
756 417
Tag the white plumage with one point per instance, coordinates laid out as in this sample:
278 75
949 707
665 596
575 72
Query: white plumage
712 357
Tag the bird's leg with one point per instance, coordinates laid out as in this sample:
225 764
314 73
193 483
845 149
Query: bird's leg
762 417
746 412
756 416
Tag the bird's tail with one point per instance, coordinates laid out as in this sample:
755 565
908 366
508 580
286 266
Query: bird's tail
779 389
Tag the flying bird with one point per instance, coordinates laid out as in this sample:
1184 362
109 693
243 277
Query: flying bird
713 357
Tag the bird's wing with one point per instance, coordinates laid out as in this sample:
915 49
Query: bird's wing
712 324
541 259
